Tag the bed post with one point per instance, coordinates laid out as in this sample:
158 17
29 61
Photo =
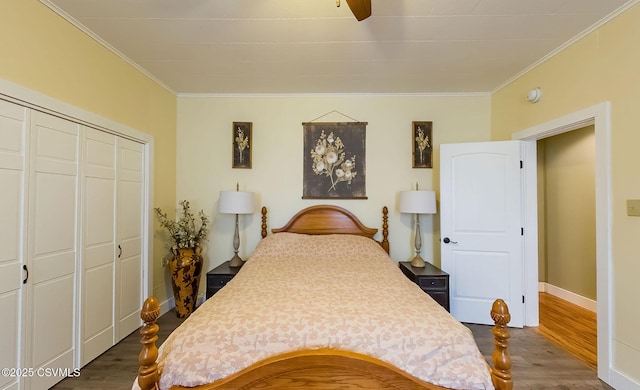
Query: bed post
385 229
264 222
147 366
500 372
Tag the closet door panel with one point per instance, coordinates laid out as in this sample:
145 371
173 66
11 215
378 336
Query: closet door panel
52 246
52 312
98 256
10 336
13 133
130 236
54 209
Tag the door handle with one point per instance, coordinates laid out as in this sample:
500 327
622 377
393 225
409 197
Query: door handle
119 251
448 241
24 267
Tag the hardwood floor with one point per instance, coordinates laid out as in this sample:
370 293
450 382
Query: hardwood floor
537 363
570 327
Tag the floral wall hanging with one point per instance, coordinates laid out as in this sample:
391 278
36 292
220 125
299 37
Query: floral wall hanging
422 134
242 145
334 160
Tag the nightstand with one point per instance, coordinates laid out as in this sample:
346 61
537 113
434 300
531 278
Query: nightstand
219 276
431 280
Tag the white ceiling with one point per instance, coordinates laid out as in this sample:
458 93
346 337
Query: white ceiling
311 46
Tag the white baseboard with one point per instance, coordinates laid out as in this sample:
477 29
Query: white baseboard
167 305
569 296
619 381
170 303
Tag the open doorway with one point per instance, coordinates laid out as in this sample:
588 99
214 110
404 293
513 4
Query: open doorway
566 242
598 116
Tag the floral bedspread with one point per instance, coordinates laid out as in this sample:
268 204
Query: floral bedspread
333 291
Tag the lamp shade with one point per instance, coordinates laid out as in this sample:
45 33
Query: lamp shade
236 202
418 202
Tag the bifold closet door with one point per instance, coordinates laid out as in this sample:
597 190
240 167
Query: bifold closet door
52 247
13 132
98 243
130 203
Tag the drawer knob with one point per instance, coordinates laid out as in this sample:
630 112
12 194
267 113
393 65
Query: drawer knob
433 282
222 282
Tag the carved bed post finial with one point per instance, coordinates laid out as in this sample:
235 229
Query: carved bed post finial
147 366
385 228
264 221
501 371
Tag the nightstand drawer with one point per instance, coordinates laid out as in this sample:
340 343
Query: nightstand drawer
431 279
442 297
214 284
219 281
219 277
433 283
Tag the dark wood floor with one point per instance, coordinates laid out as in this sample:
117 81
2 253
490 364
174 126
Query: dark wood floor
537 363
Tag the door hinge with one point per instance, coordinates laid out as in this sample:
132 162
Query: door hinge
521 164
522 231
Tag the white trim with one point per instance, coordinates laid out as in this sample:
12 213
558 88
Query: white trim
530 239
170 303
40 102
26 97
568 43
167 305
620 381
600 116
324 95
105 44
569 296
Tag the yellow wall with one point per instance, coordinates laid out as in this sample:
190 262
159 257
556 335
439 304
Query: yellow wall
204 158
569 206
603 66
43 52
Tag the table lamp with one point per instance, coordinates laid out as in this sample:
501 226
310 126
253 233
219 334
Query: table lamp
236 202
418 202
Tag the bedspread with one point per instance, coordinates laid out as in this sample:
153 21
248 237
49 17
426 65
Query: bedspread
333 291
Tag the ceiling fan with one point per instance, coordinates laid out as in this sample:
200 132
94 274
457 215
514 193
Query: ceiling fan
361 8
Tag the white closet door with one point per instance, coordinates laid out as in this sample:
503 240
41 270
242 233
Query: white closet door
98 243
130 201
13 131
52 246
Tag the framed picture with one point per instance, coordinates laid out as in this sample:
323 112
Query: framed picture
334 161
242 144
422 134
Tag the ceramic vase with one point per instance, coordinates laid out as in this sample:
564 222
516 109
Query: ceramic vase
185 269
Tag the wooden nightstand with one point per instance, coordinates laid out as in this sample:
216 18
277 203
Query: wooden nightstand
431 280
219 276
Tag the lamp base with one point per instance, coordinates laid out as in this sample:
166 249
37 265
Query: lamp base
418 262
236 261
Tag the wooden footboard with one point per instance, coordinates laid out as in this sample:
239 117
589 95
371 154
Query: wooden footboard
320 368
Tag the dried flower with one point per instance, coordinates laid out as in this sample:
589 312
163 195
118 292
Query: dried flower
329 159
422 142
184 232
242 142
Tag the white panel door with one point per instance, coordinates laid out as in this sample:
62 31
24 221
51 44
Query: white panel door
130 200
481 227
98 243
13 133
52 247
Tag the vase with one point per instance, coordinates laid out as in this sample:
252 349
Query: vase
185 269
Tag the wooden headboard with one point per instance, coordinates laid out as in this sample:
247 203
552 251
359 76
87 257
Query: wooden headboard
329 219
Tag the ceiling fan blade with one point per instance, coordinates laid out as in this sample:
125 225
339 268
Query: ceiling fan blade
361 8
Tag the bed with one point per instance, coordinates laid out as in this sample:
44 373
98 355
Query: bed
313 321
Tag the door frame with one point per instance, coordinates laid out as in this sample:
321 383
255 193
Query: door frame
38 101
598 115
